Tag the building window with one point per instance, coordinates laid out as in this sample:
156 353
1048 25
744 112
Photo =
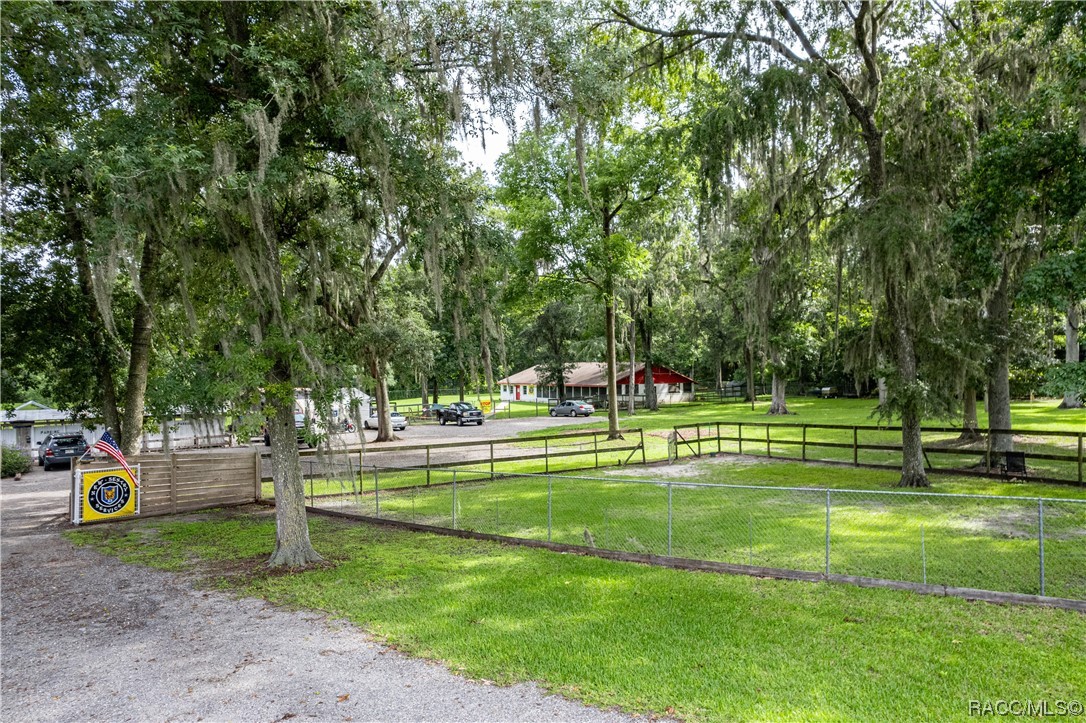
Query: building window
674 388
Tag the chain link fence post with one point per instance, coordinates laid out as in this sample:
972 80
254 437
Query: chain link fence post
454 501
549 510
827 533
923 556
750 539
669 519
1041 538
376 494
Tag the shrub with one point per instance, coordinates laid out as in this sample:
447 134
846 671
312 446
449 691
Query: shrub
13 461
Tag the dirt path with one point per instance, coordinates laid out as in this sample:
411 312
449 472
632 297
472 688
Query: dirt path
86 637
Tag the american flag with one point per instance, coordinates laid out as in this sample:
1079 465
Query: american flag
108 445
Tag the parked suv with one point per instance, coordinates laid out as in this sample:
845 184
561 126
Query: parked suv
462 413
573 408
58 450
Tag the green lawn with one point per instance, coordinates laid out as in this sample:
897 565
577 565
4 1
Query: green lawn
1040 414
700 646
981 543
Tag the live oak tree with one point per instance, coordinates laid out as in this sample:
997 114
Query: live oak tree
840 45
86 144
577 211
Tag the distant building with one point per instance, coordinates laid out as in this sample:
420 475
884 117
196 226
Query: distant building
589 380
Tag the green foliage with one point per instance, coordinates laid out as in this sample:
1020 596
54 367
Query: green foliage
13 461
1066 380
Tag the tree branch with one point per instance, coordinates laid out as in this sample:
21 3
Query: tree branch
705 34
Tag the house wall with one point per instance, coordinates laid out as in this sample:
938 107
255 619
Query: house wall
665 393
184 434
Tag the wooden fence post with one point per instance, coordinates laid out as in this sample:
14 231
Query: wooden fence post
258 472
427 465
804 453
718 437
642 432
596 448
740 438
491 460
988 452
173 482
546 456
699 439
1080 459
855 446
768 448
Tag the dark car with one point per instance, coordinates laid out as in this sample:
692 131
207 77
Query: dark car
573 408
462 413
58 450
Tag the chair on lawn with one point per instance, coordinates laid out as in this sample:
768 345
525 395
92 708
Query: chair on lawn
1013 465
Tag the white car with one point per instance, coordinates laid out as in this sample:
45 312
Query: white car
399 422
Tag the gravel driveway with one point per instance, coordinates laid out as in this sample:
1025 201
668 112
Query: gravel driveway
86 637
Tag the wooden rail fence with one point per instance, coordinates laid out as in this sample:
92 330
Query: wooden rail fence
696 442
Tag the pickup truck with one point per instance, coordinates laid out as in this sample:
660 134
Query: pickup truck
462 413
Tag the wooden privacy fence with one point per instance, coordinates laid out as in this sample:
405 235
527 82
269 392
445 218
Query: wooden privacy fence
1050 455
188 481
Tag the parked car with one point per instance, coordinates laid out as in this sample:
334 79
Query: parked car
462 413
58 450
573 408
300 427
399 422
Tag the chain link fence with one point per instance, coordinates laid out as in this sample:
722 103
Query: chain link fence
1034 546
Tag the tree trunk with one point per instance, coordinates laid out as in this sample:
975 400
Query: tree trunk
631 385
166 439
748 358
645 325
107 391
140 355
612 362
436 397
912 450
424 394
292 545
1071 326
969 415
999 385
384 418
778 405
880 383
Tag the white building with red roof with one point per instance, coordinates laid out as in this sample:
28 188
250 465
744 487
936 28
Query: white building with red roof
588 380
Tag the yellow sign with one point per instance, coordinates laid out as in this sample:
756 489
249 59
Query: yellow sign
485 404
106 494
